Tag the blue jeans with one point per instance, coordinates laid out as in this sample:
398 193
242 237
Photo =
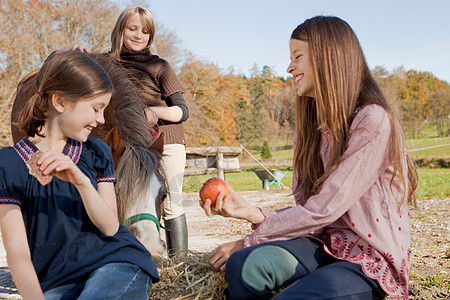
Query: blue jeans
112 281
300 266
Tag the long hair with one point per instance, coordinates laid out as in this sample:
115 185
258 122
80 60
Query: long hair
343 82
69 74
122 22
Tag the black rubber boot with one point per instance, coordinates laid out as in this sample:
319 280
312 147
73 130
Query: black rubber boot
177 240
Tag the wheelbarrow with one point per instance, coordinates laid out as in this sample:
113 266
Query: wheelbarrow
267 179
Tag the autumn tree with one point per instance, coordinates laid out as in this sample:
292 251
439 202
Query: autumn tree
391 84
416 98
32 29
418 88
228 93
287 114
214 96
268 115
440 111
243 109
258 110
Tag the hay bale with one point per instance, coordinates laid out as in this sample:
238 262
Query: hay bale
188 276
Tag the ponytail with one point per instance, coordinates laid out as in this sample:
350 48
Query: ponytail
34 114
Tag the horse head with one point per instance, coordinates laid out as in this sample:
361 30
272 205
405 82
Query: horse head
137 151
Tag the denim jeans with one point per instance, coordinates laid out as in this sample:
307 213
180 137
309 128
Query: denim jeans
302 267
112 281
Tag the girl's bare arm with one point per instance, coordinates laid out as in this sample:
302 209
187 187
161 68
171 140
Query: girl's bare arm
18 252
171 114
101 206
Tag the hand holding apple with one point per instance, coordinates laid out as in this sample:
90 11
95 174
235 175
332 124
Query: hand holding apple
211 189
224 201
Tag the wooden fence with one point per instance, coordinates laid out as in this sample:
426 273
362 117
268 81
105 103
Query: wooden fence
207 160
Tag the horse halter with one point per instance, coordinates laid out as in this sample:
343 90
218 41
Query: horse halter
142 217
148 217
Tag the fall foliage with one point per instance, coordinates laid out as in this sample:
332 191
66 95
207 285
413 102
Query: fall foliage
225 108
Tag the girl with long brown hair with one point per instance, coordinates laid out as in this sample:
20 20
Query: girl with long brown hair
348 236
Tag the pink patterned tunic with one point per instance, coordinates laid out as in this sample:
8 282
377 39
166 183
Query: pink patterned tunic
356 215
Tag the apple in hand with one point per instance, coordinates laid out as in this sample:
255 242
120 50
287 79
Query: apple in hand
211 189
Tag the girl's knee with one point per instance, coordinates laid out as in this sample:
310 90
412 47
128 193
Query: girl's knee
268 267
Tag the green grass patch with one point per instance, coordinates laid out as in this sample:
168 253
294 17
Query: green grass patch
433 183
280 154
439 280
244 181
284 154
439 152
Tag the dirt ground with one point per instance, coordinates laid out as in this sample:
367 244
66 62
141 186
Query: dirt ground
430 250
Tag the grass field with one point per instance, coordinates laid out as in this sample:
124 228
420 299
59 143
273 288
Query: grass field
244 181
433 182
441 152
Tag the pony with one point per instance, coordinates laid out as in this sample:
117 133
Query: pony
137 151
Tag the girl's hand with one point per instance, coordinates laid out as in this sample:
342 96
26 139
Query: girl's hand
78 47
61 166
212 210
233 205
219 257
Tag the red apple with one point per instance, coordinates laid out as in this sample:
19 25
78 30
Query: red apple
211 189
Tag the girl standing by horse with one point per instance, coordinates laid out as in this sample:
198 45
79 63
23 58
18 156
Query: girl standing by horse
348 236
58 212
161 92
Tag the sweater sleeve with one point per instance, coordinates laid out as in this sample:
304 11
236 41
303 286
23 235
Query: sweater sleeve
363 162
177 99
168 81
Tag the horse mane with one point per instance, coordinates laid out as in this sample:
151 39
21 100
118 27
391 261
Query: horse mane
125 117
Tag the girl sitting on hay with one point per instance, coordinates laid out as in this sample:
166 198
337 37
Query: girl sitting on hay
348 236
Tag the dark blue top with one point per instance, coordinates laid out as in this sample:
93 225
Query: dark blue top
65 245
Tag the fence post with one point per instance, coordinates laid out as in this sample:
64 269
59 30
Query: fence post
219 159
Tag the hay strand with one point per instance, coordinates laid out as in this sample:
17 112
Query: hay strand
188 276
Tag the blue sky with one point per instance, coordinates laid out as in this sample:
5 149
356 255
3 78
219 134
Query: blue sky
240 33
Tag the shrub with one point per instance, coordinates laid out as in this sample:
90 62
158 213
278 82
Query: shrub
265 151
